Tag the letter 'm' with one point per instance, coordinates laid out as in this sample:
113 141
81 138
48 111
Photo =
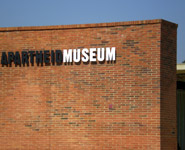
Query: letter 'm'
110 53
67 55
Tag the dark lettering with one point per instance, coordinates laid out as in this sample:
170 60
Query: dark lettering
46 57
17 59
4 59
39 57
52 57
10 58
25 57
58 56
32 54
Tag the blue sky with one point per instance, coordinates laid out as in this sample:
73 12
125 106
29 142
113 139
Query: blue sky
61 12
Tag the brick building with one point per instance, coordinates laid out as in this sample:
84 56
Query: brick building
124 103
181 105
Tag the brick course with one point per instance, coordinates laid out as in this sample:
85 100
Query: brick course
127 104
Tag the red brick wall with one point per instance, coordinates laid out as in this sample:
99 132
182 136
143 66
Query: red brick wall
129 104
168 87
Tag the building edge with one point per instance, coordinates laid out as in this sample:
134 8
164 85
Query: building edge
79 26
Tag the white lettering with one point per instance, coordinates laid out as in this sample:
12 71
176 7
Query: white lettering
110 54
85 57
101 54
76 55
92 54
67 55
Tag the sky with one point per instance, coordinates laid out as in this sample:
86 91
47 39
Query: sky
15 13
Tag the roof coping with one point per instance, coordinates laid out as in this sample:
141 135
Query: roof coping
79 26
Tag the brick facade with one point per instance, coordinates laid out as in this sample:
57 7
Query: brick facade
126 104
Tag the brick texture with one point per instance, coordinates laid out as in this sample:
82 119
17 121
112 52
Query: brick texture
129 104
